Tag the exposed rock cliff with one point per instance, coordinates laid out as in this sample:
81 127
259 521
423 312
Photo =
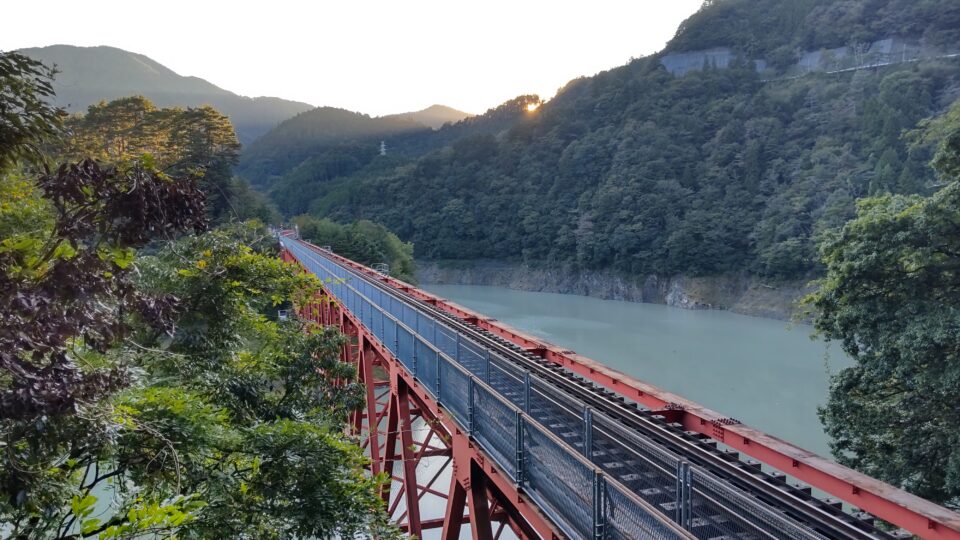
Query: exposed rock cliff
738 294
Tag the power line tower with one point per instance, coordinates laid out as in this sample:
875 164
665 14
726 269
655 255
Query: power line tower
383 148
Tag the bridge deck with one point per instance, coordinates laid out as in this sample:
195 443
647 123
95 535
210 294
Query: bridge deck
589 458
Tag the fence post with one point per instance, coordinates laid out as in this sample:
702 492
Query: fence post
520 465
396 338
683 510
438 375
588 433
471 414
486 367
526 392
599 506
415 341
678 509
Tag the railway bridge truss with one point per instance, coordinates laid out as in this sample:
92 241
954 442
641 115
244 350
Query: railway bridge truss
487 433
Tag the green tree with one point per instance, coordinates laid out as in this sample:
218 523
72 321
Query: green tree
891 296
66 261
199 142
27 120
363 241
158 396
262 441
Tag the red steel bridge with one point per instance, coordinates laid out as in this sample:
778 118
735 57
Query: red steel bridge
486 432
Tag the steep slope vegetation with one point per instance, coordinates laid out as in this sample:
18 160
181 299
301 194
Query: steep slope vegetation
719 171
778 28
306 158
89 75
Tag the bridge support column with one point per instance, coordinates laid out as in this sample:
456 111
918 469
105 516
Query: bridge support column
400 405
456 504
479 505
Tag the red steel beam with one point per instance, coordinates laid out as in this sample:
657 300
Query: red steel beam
894 505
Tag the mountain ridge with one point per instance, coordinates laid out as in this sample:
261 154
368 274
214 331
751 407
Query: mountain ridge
89 75
434 116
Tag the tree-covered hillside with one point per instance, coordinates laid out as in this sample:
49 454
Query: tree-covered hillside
299 151
315 131
639 171
776 29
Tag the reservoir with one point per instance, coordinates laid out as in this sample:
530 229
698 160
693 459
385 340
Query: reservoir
766 373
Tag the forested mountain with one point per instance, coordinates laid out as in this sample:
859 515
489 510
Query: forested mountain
313 132
301 156
778 28
641 171
88 75
434 116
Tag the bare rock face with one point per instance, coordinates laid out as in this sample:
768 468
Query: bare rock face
678 297
735 293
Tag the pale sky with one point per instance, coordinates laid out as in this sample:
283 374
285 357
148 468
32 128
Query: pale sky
373 56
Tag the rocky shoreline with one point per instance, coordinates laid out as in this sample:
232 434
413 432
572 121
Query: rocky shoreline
739 294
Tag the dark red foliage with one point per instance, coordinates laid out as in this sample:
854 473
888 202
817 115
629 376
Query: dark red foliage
98 212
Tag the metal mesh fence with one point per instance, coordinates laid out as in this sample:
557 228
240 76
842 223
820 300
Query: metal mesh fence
455 390
473 357
629 519
647 470
405 348
446 341
507 380
425 327
379 321
367 310
719 509
410 317
390 335
561 483
427 365
496 429
557 412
